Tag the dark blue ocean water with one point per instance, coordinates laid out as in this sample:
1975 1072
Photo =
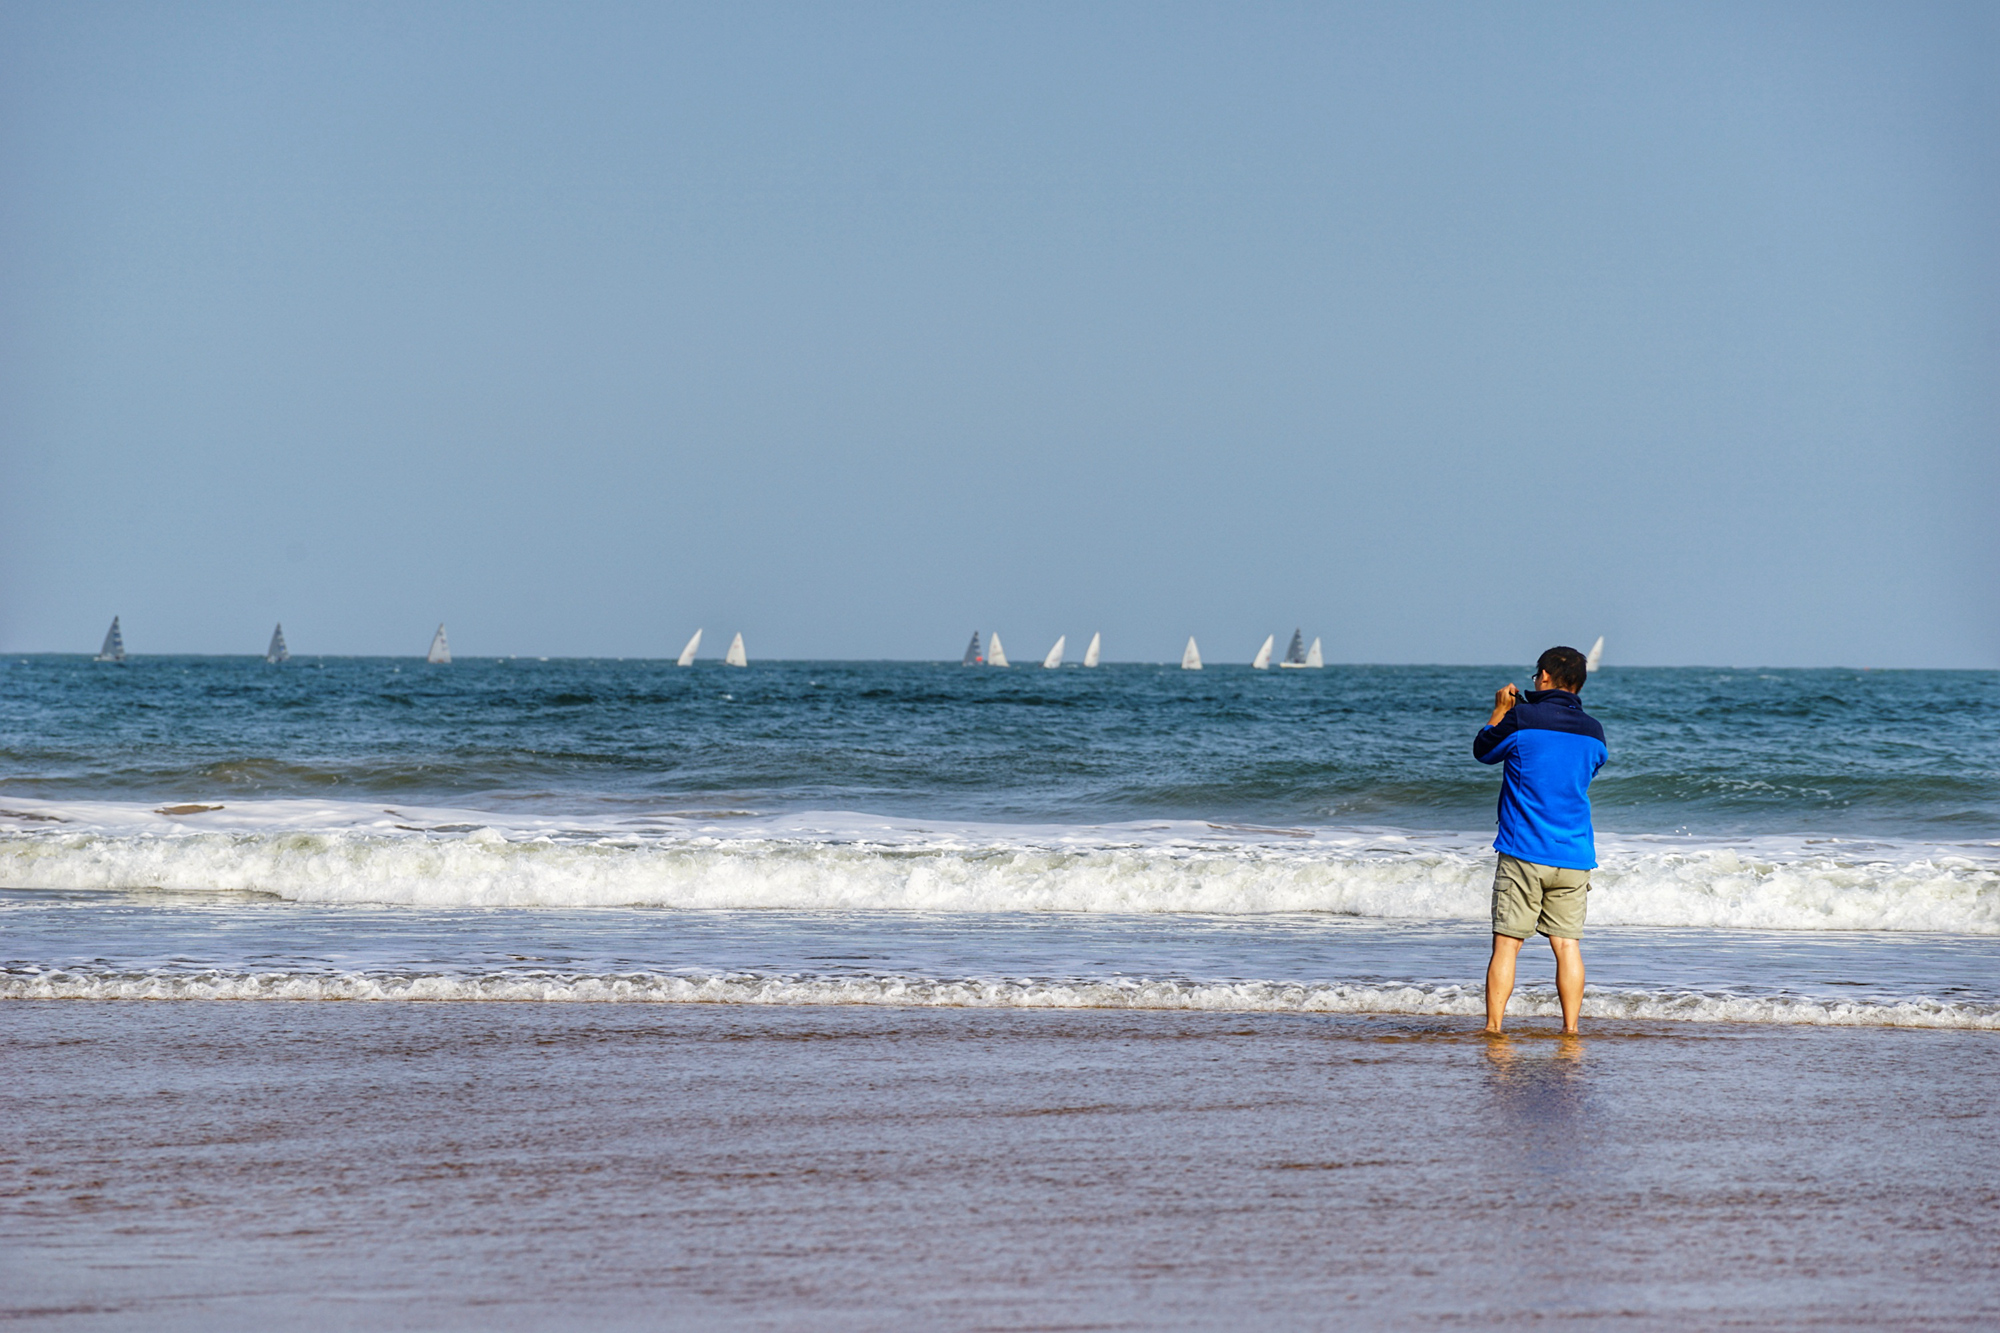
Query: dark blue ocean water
1694 750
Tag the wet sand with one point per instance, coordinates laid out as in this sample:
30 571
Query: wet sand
406 1165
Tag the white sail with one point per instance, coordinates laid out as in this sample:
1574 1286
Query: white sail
277 652
1090 653
1313 659
687 654
973 657
114 644
1263 657
440 652
1054 659
1595 657
735 657
995 654
1191 656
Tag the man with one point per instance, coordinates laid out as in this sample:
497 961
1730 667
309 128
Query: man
1552 749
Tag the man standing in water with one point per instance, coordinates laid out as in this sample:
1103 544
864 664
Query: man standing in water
1552 749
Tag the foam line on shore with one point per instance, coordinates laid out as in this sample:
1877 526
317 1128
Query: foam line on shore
924 992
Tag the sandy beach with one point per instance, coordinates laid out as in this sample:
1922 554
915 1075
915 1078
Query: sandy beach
400 1165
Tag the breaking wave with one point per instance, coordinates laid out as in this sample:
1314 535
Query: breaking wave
853 863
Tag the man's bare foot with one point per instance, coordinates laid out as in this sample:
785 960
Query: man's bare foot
1491 1032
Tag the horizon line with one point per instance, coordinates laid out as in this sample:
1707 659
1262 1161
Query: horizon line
922 661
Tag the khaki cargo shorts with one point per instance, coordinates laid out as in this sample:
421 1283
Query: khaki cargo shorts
1530 899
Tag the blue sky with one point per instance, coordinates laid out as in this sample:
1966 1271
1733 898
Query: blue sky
1442 331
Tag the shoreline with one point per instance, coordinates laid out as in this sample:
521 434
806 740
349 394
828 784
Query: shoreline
1545 1008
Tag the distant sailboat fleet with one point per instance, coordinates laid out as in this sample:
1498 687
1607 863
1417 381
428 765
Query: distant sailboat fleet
990 653
1298 655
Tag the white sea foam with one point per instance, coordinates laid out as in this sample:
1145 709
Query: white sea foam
925 992
327 853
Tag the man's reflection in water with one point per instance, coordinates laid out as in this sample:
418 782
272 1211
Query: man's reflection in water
1542 1090
1544 1158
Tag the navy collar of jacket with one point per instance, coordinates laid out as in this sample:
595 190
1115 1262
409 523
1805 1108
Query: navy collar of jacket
1566 698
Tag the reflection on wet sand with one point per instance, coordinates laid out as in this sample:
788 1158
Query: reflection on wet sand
1541 1087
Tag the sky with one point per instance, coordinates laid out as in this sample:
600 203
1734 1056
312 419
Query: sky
1444 332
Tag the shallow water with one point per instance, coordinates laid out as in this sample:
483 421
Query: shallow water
100 945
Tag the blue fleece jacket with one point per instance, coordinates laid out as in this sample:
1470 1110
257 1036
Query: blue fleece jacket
1553 749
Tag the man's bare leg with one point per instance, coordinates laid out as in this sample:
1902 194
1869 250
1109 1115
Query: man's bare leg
1569 979
1500 979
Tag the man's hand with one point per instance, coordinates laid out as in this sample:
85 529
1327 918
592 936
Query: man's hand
1504 700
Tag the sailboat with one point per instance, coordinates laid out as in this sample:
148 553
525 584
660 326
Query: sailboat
973 657
440 652
735 657
995 654
1090 653
114 645
1191 656
1298 655
687 654
1595 657
1054 659
1263 657
277 652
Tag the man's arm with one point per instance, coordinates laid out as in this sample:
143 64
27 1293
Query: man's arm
1490 745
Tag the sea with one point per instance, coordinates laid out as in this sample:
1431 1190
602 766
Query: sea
518 993
1782 846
